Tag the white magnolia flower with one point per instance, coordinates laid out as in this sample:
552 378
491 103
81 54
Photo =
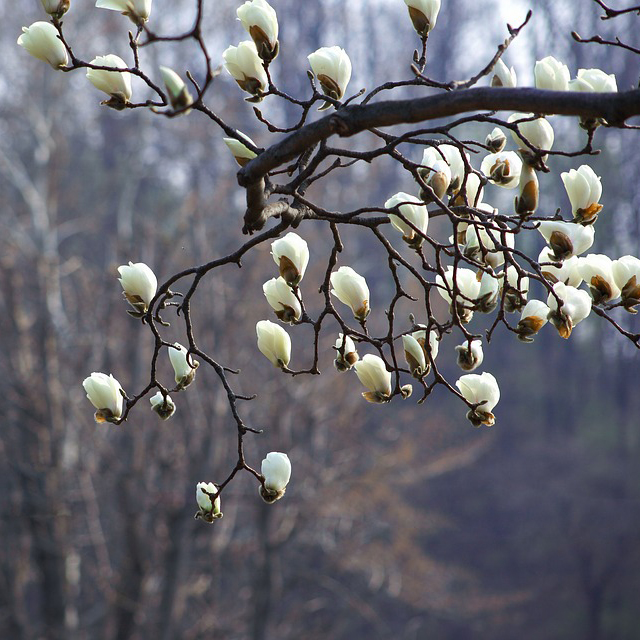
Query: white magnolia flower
526 201
240 151
534 317
567 272
116 84
626 272
332 67
184 366
566 239
481 243
351 289
575 308
415 356
468 289
496 140
136 10
470 192
503 76
346 353
502 169
139 285
584 190
291 254
594 80
282 300
488 296
56 8
179 95
276 469
415 211
434 343
517 289
596 270
373 374
209 511
261 22
41 41
105 394
423 14
551 74
481 389
274 343
245 66
470 355
454 158
537 131
164 408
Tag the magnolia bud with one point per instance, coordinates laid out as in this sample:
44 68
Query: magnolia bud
470 354
56 8
291 254
423 14
346 355
594 80
106 395
502 169
517 289
351 289
551 74
332 67
116 84
184 366
482 390
282 300
276 469
527 202
42 41
468 289
241 152
597 271
576 306
274 343
584 190
136 10
414 211
373 374
208 511
535 130
245 66
534 317
503 76
139 284
164 407
259 19
179 95
626 271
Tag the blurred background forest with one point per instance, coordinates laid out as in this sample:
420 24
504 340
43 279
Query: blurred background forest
400 521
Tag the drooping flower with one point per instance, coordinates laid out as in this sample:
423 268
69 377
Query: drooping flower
184 366
165 408
282 300
346 353
276 469
259 18
468 289
566 239
116 84
596 270
551 74
179 95
240 151
245 66
291 254
423 14
470 354
351 289
534 317
626 272
576 306
503 75
502 169
136 10
584 190
332 67
105 394
139 285
415 211
208 510
482 390
373 374
274 343
42 41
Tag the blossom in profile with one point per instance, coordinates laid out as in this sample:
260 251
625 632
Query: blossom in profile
373 374
208 510
567 272
42 41
291 254
351 289
467 286
566 239
56 8
551 74
106 395
346 353
282 300
244 65
481 390
332 68
576 306
533 129
184 366
239 150
259 19
179 95
626 272
596 269
274 343
423 14
414 211
139 285
594 80
503 76
116 84
534 316
584 189
276 470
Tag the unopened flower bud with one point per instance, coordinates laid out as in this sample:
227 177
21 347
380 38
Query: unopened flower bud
136 10
566 239
551 74
276 469
274 343
261 22
245 66
482 390
116 84
503 75
470 354
576 306
584 190
423 14
164 407
346 353
291 254
332 67
106 395
56 8
597 271
526 202
208 510
414 211
179 95
139 285
351 289
373 374
184 366
282 300
240 151
626 272
42 41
